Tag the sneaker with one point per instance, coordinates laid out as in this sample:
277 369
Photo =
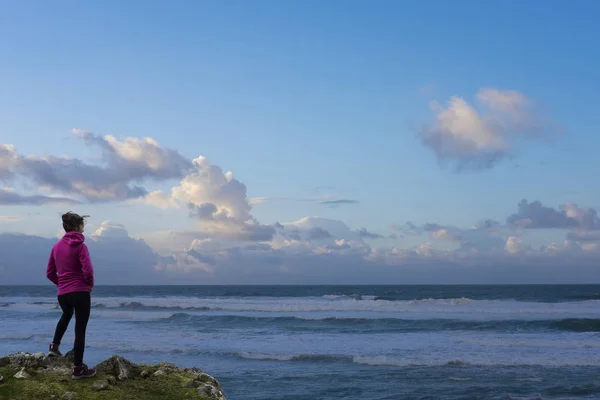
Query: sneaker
82 371
54 352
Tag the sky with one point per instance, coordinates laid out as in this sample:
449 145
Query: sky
302 142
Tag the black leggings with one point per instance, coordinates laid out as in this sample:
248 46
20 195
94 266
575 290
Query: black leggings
80 302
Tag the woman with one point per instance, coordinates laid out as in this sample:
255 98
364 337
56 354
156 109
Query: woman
70 268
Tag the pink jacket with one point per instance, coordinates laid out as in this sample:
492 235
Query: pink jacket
69 266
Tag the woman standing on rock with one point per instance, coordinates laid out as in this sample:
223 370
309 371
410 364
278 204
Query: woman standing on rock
70 268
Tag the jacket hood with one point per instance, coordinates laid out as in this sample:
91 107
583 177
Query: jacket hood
73 238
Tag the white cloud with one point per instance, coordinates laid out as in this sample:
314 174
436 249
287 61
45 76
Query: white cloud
257 200
445 234
473 139
217 201
158 199
514 245
8 160
111 230
8 218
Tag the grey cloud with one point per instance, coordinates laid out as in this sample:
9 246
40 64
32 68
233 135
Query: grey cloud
73 176
432 227
363 233
257 232
139 158
408 228
480 237
584 236
318 233
8 197
487 224
204 258
534 215
337 203
126 164
8 158
204 211
294 234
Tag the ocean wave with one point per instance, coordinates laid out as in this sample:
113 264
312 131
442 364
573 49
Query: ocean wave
595 296
363 297
383 360
353 297
136 305
17 337
334 303
373 325
399 362
574 390
313 358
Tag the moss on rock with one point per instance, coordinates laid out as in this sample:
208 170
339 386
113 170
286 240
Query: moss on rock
117 378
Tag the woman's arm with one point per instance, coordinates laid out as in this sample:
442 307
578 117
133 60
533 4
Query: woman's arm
86 264
51 269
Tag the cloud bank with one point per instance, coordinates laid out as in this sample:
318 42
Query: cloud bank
226 243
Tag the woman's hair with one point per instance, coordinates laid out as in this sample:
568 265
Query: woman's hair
72 221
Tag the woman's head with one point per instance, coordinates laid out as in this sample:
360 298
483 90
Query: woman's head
73 222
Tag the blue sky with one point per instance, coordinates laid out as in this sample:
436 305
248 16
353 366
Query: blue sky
302 100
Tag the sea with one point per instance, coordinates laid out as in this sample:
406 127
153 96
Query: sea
339 342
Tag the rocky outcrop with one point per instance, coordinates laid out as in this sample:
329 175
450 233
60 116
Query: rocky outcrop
114 374
119 367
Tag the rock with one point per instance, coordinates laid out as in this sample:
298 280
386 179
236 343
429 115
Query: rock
211 392
58 363
201 377
160 372
145 374
20 360
69 396
100 385
1 380
22 374
118 366
58 370
168 367
205 384
69 356
35 361
112 380
191 384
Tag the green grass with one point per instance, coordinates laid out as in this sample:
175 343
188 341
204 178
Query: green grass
43 387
